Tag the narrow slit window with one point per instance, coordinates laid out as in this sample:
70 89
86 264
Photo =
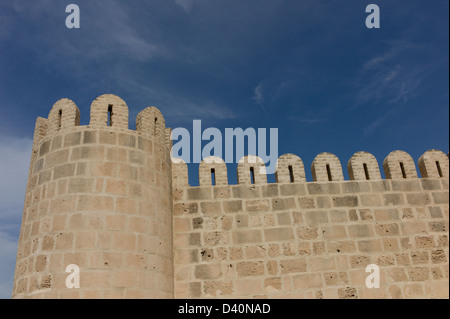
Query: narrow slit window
59 119
402 167
330 178
366 171
438 166
213 176
291 174
154 127
252 175
110 116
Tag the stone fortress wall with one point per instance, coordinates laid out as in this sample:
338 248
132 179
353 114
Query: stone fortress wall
111 201
98 196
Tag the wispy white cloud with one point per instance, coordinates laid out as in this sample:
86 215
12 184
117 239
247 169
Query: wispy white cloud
119 32
111 29
372 126
14 164
186 4
8 251
174 104
183 107
306 120
258 95
388 78
375 125
111 51
378 60
391 84
268 92
312 121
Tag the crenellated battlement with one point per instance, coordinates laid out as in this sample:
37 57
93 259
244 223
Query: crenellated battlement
113 201
326 167
108 112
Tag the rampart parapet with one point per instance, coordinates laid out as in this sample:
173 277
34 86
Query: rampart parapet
113 201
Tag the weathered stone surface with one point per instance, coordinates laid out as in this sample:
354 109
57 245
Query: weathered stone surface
112 201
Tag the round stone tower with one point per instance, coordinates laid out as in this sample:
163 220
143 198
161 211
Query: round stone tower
98 197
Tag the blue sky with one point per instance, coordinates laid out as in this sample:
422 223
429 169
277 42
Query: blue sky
309 68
